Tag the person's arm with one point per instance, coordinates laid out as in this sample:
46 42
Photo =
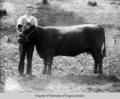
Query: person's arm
35 21
19 24
19 27
21 37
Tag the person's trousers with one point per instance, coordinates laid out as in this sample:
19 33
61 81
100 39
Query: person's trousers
25 50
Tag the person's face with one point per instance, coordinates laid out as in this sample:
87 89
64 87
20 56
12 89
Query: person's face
29 11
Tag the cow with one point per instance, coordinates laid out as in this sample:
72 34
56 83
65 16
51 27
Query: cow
51 41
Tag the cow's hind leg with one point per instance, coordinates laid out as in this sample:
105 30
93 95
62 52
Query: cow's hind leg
96 61
100 61
100 66
45 66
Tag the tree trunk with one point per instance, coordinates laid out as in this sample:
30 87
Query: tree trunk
44 1
2 78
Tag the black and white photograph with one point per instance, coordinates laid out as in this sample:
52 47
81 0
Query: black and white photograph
67 49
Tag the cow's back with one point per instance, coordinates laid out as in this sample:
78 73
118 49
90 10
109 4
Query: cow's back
71 40
82 39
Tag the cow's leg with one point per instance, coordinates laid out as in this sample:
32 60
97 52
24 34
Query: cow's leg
44 59
100 66
96 61
95 67
49 64
100 61
22 53
29 59
45 66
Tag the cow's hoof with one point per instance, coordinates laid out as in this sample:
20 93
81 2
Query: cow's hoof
22 75
100 72
95 72
31 75
44 72
49 73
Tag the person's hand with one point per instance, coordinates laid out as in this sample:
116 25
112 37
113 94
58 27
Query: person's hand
22 38
20 27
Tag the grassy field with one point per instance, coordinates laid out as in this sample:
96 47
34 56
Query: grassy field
70 75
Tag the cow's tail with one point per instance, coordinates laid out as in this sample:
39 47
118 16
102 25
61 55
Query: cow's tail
104 47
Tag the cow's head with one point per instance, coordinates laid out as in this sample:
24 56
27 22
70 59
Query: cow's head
32 32
28 29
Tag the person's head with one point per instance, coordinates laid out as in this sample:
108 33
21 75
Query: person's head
29 9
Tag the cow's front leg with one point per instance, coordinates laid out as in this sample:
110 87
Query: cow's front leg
49 64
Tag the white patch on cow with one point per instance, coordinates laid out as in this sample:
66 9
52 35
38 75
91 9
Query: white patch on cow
74 28
103 46
12 85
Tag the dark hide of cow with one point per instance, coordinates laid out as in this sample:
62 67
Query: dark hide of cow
69 41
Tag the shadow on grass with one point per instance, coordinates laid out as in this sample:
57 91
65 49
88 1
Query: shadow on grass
92 79
96 83
91 83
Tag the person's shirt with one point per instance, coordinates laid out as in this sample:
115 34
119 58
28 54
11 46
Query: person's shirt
24 19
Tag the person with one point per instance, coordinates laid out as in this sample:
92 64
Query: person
25 48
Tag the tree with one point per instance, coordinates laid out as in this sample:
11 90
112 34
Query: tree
44 1
2 74
3 12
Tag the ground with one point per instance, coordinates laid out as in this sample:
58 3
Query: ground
69 74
